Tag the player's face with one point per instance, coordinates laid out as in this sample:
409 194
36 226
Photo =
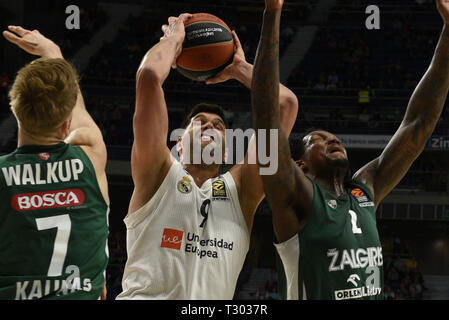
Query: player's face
207 129
324 148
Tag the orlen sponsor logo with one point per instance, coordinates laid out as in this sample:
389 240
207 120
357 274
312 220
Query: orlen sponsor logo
172 238
47 200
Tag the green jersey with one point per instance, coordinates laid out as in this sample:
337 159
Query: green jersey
53 225
338 254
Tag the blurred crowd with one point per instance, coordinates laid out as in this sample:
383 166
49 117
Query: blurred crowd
402 282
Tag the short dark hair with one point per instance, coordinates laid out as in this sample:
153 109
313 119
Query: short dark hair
298 148
204 107
297 144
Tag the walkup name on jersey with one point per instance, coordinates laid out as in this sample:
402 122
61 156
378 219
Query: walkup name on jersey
27 174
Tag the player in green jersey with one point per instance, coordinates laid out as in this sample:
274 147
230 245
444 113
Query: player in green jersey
53 213
324 222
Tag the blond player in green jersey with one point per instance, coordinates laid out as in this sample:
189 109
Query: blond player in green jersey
53 216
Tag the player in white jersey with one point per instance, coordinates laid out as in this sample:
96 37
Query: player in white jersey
188 227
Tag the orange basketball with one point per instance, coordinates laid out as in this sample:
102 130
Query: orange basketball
207 49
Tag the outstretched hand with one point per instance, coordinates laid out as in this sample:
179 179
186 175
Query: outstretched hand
443 8
176 30
232 70
32 42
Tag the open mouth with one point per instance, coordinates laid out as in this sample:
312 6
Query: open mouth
335 150
207 138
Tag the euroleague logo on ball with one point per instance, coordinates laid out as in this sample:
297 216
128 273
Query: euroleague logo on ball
44 156
207 49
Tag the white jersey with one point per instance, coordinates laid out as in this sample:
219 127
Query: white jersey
186 243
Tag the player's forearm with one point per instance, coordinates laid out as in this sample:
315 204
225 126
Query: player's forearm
265 101
53 52
265 84
158 60
427 101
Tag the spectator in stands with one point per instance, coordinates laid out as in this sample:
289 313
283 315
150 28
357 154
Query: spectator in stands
261 294
331 85
365 116
388 293
376 118
321 85
273 274
403 290
333 77
393 277
400 296
364 97
273 294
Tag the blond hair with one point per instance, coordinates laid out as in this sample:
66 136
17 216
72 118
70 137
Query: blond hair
44 94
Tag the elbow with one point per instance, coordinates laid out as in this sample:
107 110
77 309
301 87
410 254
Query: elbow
290 106
148 76
290 103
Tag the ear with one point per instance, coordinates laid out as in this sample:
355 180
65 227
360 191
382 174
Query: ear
65 128
301 164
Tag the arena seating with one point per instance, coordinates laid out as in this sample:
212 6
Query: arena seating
343 59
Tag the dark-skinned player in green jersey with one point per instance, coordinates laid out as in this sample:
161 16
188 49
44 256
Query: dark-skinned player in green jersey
325 222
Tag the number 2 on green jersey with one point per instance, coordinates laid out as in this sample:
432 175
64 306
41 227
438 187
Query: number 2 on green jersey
355 229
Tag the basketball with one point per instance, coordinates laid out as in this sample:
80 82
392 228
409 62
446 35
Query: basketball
207 49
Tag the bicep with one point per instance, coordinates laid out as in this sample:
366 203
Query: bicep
288 109
150 126
383 173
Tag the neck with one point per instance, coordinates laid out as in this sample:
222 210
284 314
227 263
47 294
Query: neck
202 172
27 139
333 181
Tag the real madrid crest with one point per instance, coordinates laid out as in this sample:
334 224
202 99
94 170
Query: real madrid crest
185 185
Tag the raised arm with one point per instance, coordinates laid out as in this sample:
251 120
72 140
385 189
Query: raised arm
288 184
420 120
246 174
150 154
83 130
